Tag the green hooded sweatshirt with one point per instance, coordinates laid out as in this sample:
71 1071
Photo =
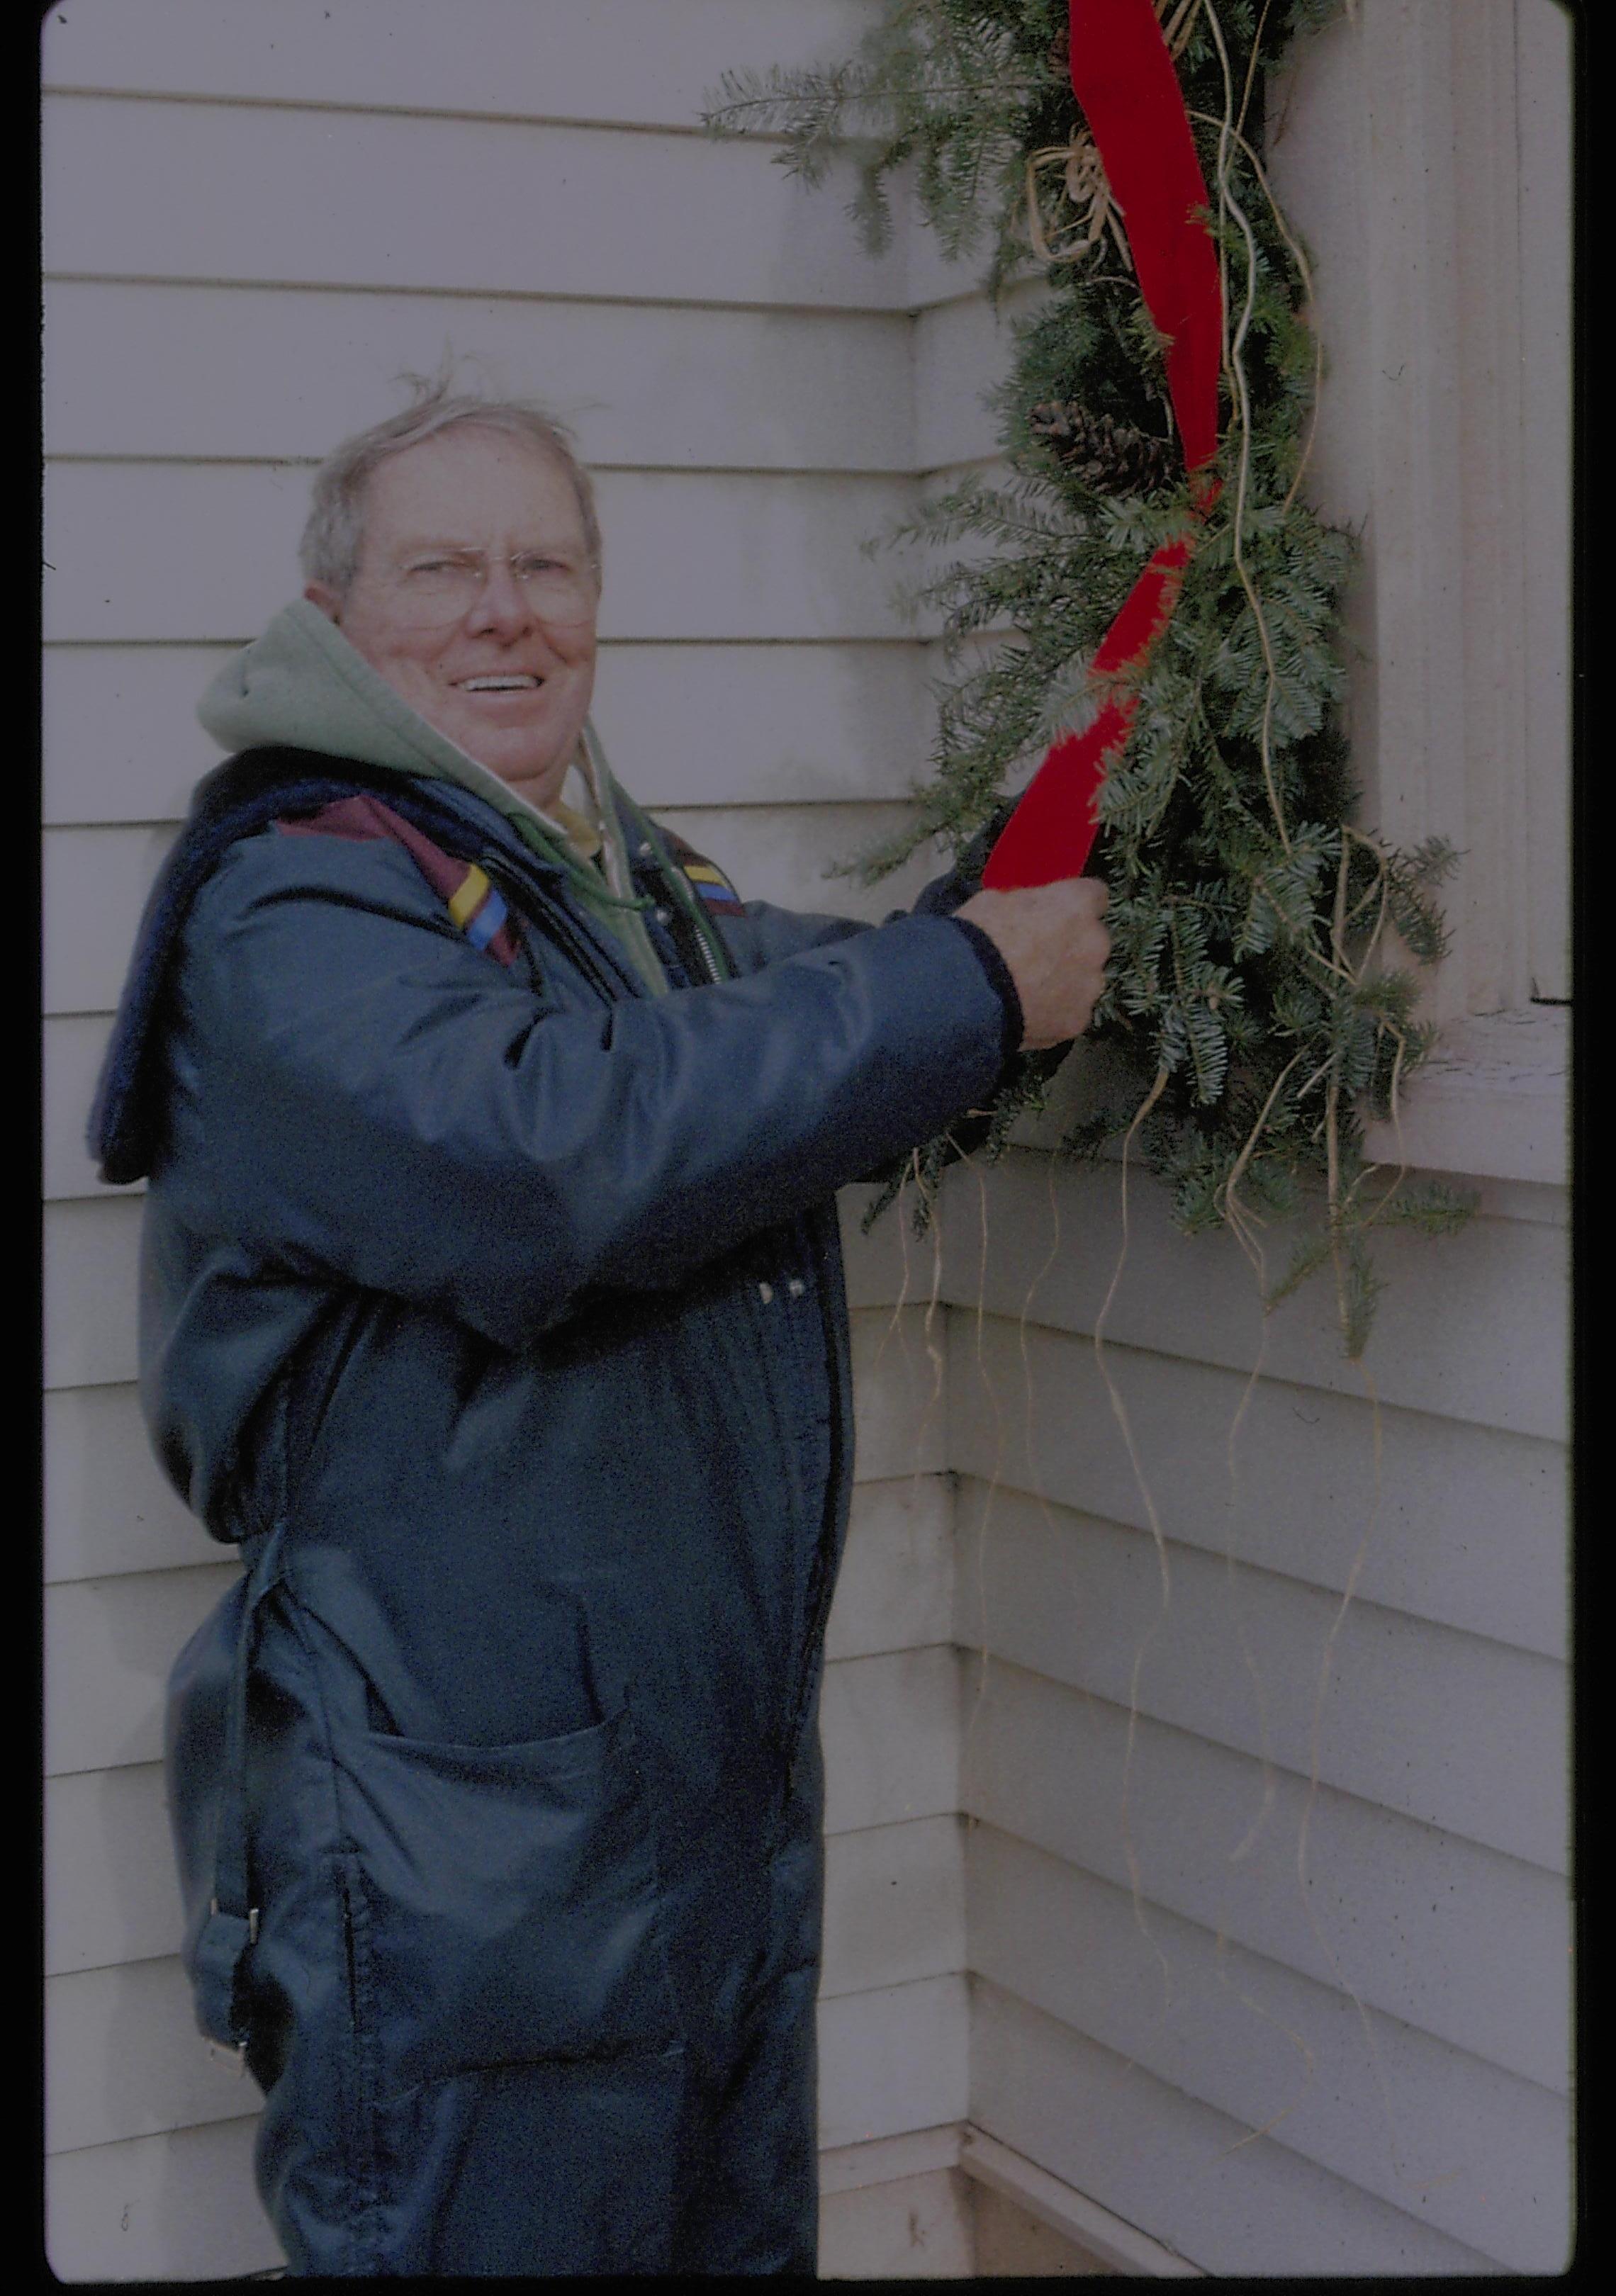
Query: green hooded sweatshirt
302 686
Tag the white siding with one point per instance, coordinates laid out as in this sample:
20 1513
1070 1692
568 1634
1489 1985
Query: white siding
615 62
1510 1374
1470 1531
1462 2147
916 2227
1461 1734
1191 2175
1301 1860
646 385
1480 1937
180 2204
283 196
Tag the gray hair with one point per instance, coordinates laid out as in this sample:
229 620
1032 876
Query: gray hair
329 552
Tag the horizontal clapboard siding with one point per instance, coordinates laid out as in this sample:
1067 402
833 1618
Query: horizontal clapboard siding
1443 1347
892 2059
1326 1905
616 63
1480 1938
1470 1532
109 1644
179 2204
288 196
108 1508
92 1258
1461 2146
961 349
638 383
1445 1727
1192 2176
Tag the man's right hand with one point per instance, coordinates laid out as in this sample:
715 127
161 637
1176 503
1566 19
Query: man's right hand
1052 939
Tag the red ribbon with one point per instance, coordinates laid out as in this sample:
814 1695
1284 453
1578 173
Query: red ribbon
1123 76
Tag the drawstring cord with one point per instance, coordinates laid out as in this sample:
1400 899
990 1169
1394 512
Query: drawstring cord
616 804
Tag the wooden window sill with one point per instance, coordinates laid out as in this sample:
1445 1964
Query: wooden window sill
1491 1103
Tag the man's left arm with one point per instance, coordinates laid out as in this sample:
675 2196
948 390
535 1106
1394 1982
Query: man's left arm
761 933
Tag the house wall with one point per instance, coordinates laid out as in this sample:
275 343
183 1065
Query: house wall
1267 1907
1276 1978
255 218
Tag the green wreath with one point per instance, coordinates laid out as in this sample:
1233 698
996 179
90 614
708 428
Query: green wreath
1256 1015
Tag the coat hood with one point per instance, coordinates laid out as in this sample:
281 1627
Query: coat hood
302 686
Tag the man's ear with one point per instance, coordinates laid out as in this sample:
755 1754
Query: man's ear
322 594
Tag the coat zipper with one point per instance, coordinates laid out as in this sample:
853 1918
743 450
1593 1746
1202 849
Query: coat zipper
822 1575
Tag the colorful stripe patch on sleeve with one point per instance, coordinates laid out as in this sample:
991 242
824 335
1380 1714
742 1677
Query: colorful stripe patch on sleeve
714 887
473 901
477 908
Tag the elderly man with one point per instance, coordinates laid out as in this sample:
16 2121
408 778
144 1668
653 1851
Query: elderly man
491 1302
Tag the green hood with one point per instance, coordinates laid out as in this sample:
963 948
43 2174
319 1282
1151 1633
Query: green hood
302 686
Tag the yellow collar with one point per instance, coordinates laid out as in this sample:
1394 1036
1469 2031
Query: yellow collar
582 833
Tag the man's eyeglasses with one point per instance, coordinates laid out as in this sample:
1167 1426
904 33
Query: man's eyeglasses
446 585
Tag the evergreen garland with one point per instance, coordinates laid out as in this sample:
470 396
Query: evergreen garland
1252 995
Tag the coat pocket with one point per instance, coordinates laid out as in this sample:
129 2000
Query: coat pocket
215 1944
509 1904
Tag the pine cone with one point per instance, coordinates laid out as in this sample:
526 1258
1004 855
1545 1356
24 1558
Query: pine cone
1109 457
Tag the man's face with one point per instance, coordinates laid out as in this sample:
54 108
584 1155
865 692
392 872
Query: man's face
475 600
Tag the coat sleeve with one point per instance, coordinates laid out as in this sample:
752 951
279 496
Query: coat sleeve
765 933
379 1104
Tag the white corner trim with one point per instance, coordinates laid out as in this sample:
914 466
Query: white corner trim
915 2152
1116 2242
1492 1101
957 2145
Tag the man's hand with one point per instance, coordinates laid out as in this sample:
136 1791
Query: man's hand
1052 939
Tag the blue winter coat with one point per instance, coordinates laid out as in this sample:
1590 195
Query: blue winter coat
495 1309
